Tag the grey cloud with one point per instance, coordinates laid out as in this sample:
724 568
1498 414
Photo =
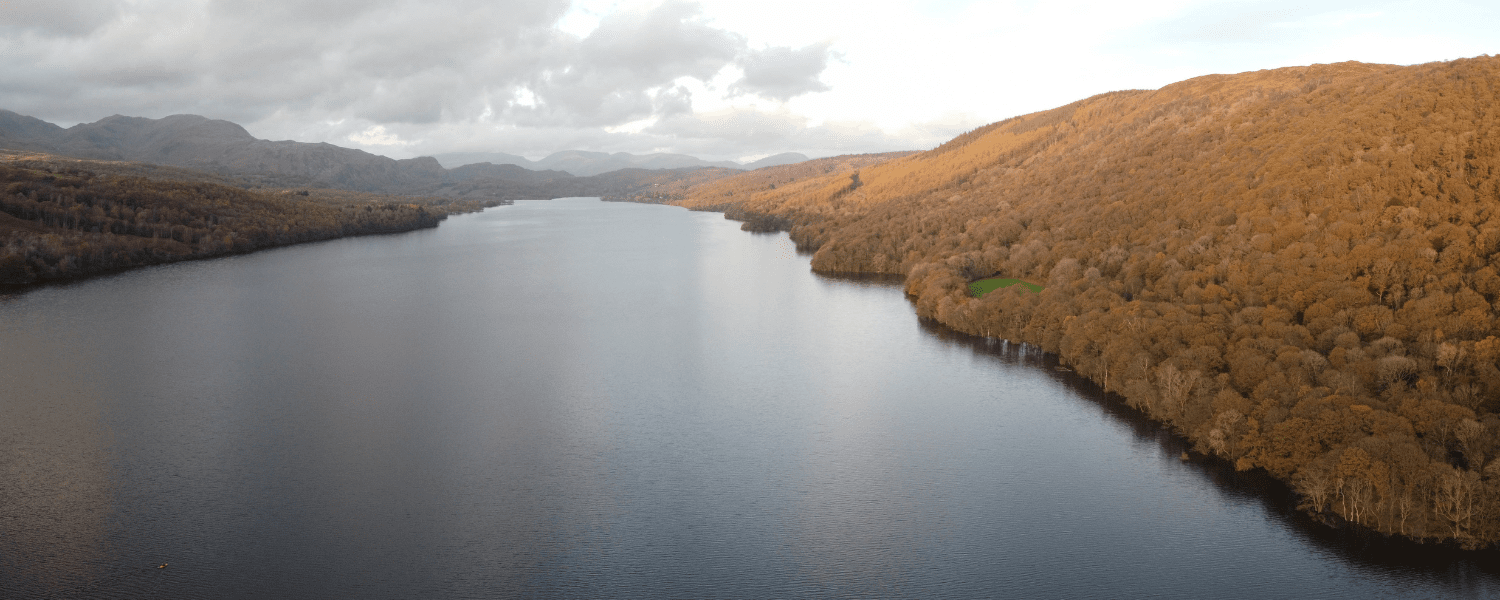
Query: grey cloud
323 14
624 70
56 17
781 73
729 135
419 99
329 60
672 101
609 77
661 44
744 126
433 72
749 131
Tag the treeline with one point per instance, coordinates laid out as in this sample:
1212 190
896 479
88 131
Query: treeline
1298 269
64 218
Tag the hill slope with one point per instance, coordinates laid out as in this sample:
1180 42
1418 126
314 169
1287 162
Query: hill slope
220 147
62 218
1297 268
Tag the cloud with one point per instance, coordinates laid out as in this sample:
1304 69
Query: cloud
376 136
382 60
52 18
781 73
629 66
749 131
275 64
744 127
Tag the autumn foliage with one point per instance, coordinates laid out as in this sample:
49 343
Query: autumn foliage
1297 268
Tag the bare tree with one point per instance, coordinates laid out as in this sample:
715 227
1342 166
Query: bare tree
1455 501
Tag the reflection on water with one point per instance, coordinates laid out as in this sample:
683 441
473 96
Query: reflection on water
583 399
1470 573
55 484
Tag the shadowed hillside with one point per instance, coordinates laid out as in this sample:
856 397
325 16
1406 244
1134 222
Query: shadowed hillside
1296 268
220 147
64 218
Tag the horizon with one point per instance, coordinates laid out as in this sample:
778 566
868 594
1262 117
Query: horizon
710 79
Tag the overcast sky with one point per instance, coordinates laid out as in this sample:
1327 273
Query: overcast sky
718 79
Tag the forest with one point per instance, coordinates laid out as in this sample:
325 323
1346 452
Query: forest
63 218
1297 269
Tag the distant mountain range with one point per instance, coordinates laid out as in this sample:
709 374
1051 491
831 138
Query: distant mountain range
583 163
224 148
219 147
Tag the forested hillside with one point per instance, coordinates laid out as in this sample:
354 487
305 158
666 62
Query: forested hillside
62 218
1296 268
729 193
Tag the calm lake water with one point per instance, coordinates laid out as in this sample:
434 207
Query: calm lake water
578 399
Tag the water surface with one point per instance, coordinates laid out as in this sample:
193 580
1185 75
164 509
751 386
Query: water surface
586 400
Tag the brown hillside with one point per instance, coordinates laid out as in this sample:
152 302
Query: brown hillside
1297 268
769 182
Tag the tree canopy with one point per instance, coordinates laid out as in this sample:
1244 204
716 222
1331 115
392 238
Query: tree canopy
1297 268
63 218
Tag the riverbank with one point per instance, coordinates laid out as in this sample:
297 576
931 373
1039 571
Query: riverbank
64 219
1297 310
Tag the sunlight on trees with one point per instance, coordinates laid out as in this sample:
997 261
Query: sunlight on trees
1297 268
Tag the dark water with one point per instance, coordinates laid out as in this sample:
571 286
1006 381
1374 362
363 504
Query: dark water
576 399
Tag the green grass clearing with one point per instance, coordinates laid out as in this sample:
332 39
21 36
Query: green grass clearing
985 286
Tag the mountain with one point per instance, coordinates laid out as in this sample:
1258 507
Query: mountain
1297 269
453 160
508 172
579 162
776 160
583 163
219 147
226 149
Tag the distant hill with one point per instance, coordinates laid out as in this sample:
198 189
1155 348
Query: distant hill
62 218
730 194
226 149
1298 269
776 160
220 147
583 164
454 160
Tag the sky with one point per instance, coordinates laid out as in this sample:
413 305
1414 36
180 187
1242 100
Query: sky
717 79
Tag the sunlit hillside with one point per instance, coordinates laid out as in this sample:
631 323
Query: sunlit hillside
761 183
1297 267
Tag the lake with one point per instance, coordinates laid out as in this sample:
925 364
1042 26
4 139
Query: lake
579 399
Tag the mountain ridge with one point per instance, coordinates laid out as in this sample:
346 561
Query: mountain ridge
228 149
219 146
